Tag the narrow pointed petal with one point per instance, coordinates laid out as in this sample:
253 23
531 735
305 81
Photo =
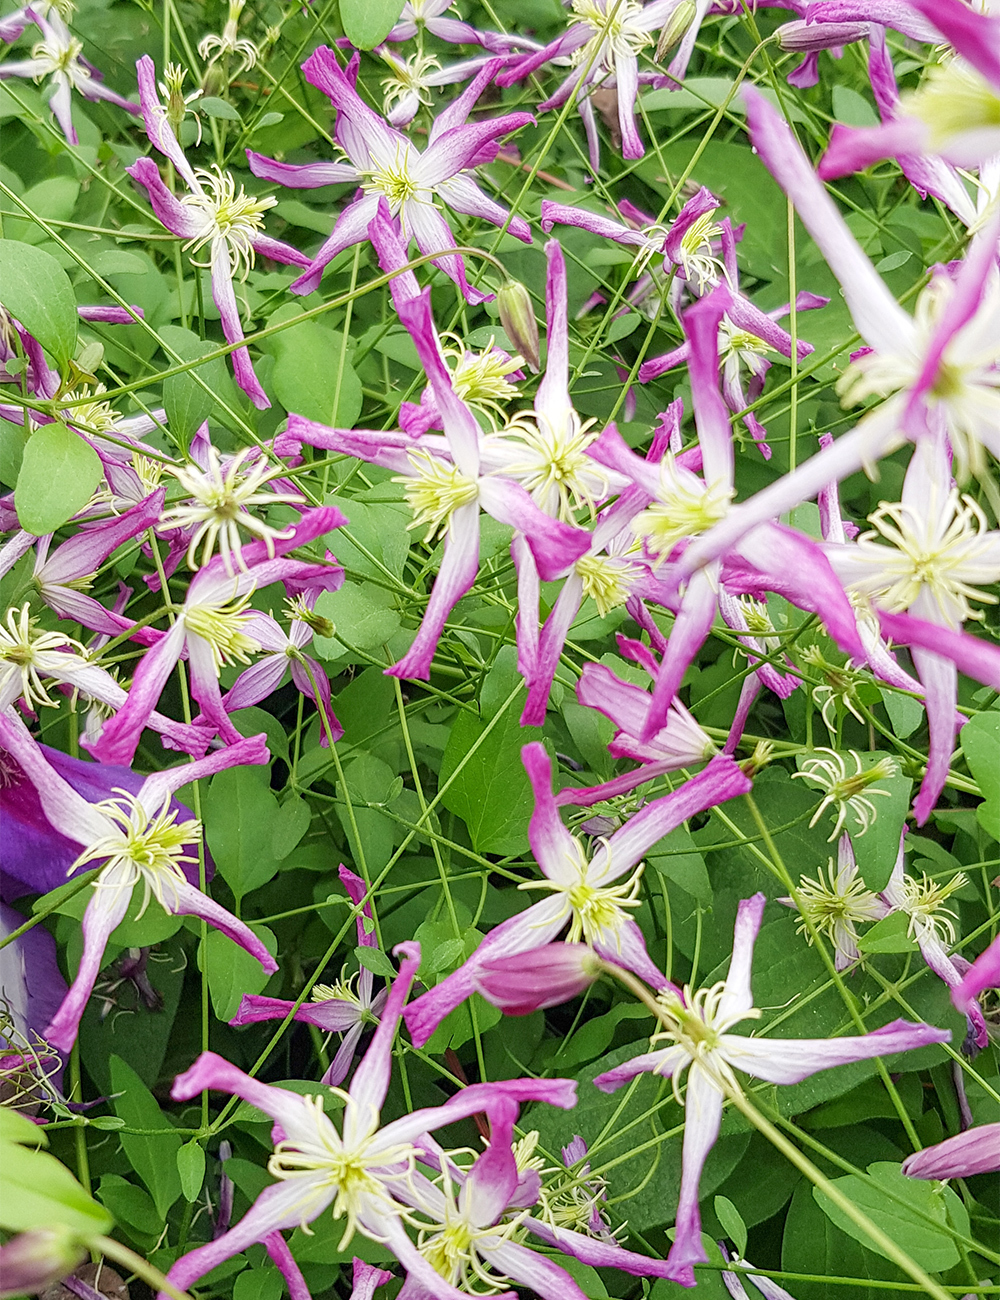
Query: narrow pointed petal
169 210
105 911
721 780
555 545
629 950
462 194
972 655
69 813
976 1151
371 1078
879 318
554 847
434 236
340 1066
493 1177
282 1205
540 674
357 890
701 323
691 628
541 1276
251 750
351 229
976 36
983 974
224 297
212 1071
663 1062
737 998
284 1262
302 176
366 1278
598 1254
702 1120
553 392
789 1060
154 119
332 1015
192 902
940 681
459 567
460 425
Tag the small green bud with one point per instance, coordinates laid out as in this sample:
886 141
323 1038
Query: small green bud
517 316
680 20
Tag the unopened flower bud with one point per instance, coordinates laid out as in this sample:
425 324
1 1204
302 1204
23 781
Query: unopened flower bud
542 977
678 23
32 1260
805 38
517 316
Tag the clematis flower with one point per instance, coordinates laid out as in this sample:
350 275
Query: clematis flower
522 982
211 629
681 505
284 652
411 80
31 656
932 927
429 15
586 895
486 380
137 839
213 213
447 480
333 1008
603 44
976 1151
940 553
696 1036
388 166
57 55
837 902
362 1170
470 1225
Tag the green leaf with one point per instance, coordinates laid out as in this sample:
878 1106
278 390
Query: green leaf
290 824
191 1169
231 970
187 404
678 858
375 960
491 791
240 814
307 362
37 291
362 613
927 1243
894 261
218 108
59 474
852 108
731 1219
39 1192
980 740
622 326
130 1204
153 1153
368 22
905 713
888 935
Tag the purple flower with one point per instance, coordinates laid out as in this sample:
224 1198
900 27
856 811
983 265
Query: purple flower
32 989
977 1151
211 630
586 893
470 1222
448 480
212 214
335 1008
523 982
388 166
364 1170
414 77
137 839
734 1285
681 505
976 36
603 45
927 131
696 1030
57 55
937 369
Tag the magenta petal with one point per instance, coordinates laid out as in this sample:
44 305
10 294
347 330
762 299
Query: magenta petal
976 1151
789 1060
553 391
555 546
371 1078
105 911
554 847
976 36
459 567
284 1261
520 983
983 974
358 890
738 999
224 297
332 1015
366 1278
351 229
169 210
598 1254
691 628
302 176
970 654
852 149
702 1120
939 677
192 902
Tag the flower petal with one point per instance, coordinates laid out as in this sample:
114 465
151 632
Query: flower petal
789 1060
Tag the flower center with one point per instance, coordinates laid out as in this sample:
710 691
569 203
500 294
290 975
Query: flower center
846 791
322 1161
409 78
434 491
836 899
142 845
29 652
941 551
480 378
220 503
696 256
924 900
686 507
622 35
59 58
222 627
550 459
230 215
597 912
608 580
82 408
734 341
693 1023
953 100
392 178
